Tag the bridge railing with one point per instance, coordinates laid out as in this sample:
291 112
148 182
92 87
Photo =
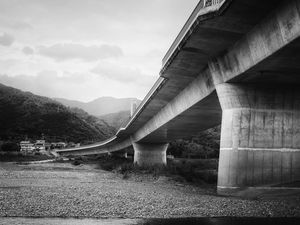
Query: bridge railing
211 2
201 5
160 82
97 144
156 87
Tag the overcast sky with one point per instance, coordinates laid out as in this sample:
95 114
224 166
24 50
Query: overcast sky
85 49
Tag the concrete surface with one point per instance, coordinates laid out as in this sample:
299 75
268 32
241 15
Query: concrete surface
146 154
236 41
260 136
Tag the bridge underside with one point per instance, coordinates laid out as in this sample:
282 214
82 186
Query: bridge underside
201 116
278 70
240 68
257 83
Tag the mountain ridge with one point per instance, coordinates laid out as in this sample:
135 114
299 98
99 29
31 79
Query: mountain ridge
23 114
101 106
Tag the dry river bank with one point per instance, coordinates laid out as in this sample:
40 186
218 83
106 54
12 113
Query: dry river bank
84 191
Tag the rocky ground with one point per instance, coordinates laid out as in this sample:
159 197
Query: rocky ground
64 190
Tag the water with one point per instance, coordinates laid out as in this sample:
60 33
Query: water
175 221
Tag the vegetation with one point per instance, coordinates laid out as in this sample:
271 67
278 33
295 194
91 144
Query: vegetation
9 147
190 170
196 160
205 145
100 125
23 114
19 157
116 120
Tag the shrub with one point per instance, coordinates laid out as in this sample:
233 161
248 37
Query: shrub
205 145
10 147
76 162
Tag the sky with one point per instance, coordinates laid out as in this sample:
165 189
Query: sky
85 49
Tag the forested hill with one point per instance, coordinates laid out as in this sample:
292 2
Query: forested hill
25 114
116 120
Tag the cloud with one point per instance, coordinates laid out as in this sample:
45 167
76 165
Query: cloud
82 86
27 50
14 24
6 39
62 52
20 25
46 83
123 74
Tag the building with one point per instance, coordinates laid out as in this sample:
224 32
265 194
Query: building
59 145
40 145
47 146
26 146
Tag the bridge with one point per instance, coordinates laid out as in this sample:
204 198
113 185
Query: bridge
234 63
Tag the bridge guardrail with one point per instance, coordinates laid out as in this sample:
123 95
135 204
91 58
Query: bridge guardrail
158 84
201 5
97 144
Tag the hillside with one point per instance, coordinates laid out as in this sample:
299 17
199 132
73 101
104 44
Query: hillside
101 106
25 114
116 120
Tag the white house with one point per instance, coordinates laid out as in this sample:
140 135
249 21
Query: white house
26 146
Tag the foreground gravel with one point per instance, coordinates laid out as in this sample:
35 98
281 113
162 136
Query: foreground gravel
63 190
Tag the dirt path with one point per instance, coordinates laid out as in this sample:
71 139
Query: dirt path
63 190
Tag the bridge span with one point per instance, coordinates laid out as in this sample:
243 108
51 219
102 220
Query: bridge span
234 63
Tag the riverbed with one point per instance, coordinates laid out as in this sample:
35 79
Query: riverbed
171 221
62 190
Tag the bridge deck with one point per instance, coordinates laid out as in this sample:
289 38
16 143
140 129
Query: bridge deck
211 38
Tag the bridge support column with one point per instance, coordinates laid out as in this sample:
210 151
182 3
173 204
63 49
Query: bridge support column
119 154
260 138
146 154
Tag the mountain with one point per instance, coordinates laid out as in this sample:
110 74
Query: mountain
116 120
101 106
25 114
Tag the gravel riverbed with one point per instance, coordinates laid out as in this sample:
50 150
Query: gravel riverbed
64 190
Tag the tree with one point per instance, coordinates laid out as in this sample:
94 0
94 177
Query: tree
10 147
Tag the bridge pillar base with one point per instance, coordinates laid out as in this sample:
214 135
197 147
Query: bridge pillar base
119 154
146 154
260 138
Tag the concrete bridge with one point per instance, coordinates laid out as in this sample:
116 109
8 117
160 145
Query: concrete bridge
235 63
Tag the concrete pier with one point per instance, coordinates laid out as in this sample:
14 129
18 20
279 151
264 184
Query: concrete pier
260 137
119 154
146 154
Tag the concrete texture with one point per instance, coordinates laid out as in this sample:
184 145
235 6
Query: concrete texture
256 56
112 145
150 154
254 44
263 49
196 91
260 136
